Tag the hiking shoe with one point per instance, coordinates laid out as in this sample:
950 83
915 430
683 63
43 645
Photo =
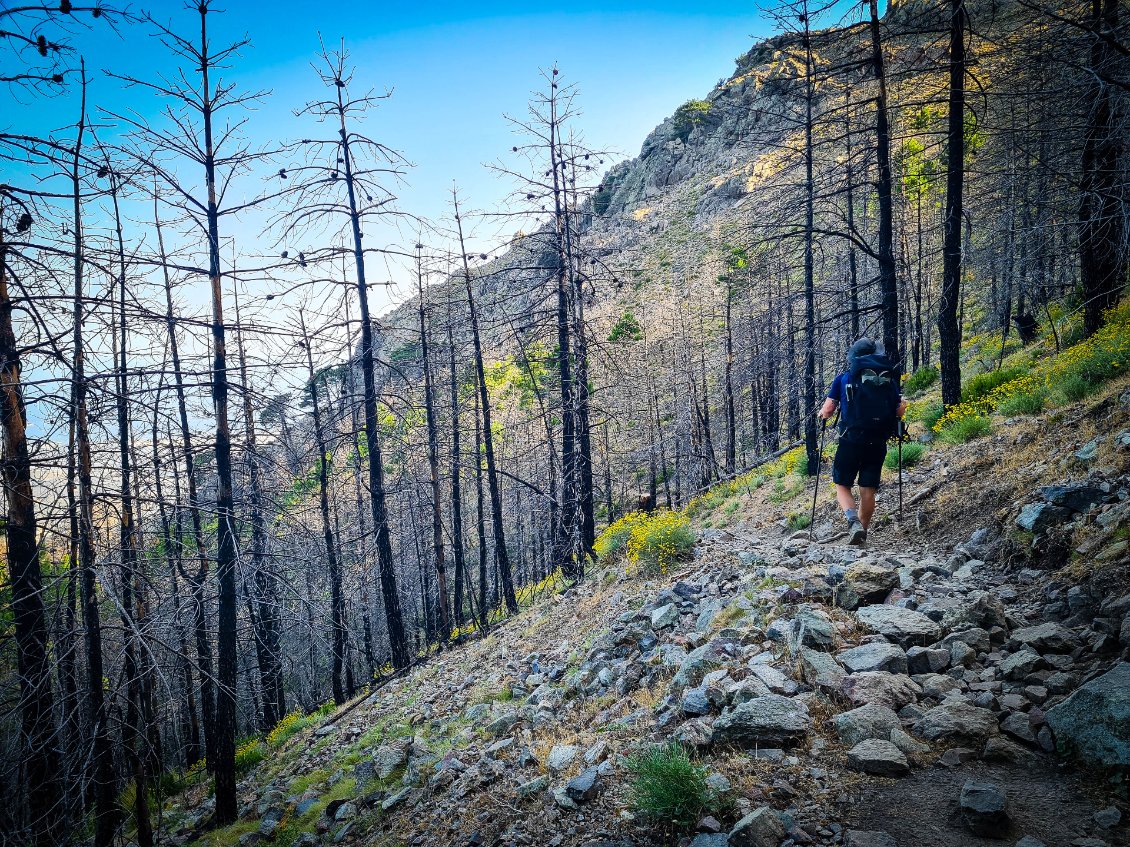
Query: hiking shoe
856 534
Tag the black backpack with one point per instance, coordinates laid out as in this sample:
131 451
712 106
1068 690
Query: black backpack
871 398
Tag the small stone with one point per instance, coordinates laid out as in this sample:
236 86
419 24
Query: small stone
984 809
1000 749
763 721
695 702
1038 518
860 838
761 828
1048 637
1108 818
1029 841
560 757
903 626
709 824
927 660
1019 726
710 839
503 723
665 616
955 757
879 758
959 722
584 787
885 689
534 786
907 743
395 799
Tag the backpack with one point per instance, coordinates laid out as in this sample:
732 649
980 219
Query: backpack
871 398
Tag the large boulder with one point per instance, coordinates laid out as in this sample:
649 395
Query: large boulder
1094 722
1038 518
886 689
865 582
1076 497
959 722
878 656
869 721
1048 637
771 721
981 609
904 626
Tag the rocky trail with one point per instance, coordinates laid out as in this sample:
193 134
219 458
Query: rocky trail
907 694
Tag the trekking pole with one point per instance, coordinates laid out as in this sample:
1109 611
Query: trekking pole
901 431
819 462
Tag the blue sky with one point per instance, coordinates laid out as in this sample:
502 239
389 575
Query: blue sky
455 70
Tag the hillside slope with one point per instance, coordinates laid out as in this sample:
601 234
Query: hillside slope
755 657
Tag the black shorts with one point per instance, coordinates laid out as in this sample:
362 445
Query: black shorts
859 459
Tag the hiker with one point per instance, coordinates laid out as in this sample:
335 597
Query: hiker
870 404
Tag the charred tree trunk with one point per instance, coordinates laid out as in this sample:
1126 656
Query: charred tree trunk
1102 244
888 288
949 332
456 489
398 645
337 600
433 465
222 754
501 556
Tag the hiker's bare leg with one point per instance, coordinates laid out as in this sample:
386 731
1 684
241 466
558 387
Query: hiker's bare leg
845 498
866 505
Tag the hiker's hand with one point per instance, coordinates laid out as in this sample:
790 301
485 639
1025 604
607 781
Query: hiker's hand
827 410
903 403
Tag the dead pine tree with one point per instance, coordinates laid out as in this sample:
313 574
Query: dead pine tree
433 455
501 556
949 332
41 759
203 142
341 186
337 600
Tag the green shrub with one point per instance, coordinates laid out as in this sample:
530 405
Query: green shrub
248 755
659 543
1026 403
688 116
980 385
966 429
798 520
927 415
920 380
667 786
912 453
1075 386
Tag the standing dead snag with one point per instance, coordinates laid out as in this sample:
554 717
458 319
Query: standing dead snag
218 155
318 204
337 601
501 556
36 697
433 457
949 332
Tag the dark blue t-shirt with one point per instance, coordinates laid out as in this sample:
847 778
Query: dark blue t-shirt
836 392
